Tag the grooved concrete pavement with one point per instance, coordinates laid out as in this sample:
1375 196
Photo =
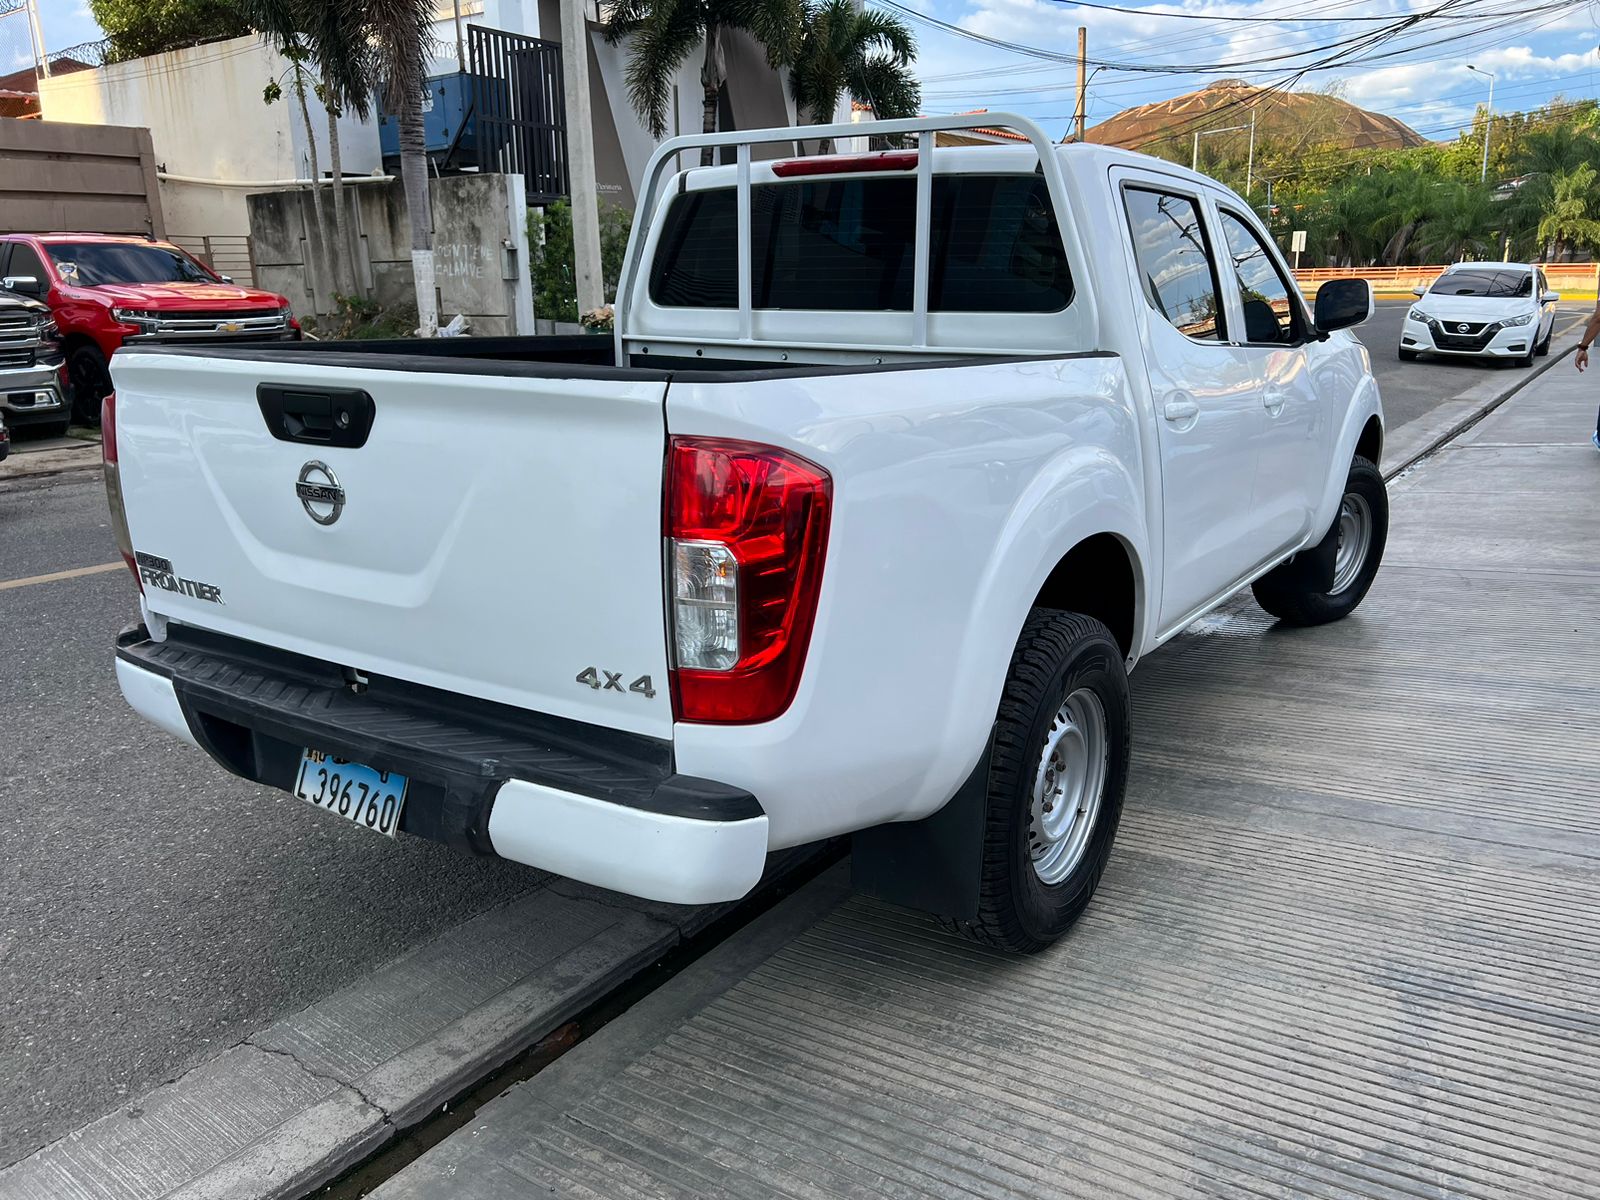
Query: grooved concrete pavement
1345 946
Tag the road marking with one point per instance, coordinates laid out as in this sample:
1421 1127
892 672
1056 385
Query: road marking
76 572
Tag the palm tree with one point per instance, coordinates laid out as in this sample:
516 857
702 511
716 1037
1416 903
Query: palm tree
1412 197
341 49
1463 223
400 33
862 53
665 32
282 23
1567 220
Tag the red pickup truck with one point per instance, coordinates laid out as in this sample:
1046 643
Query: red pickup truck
107 291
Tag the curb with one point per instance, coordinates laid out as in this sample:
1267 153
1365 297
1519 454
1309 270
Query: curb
296 1105
1414 441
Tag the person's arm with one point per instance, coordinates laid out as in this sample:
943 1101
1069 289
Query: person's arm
1590 331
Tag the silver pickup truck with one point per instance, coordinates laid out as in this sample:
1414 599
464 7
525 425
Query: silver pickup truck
32 390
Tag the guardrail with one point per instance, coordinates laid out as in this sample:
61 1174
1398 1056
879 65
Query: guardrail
1578 278
225 253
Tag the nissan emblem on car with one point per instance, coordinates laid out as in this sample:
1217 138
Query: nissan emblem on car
1463 327
323 499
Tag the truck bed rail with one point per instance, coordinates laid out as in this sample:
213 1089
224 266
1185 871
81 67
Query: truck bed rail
924 128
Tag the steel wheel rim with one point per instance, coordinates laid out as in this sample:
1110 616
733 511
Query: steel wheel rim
1068 786
1355 537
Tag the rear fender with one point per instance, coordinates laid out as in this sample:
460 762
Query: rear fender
1086 491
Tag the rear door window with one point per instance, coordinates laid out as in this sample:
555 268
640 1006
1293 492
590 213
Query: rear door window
849 244
1174 259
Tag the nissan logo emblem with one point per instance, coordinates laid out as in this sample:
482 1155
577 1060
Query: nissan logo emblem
320 493
1462 328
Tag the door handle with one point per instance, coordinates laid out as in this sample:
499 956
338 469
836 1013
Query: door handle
1180 410
1273 400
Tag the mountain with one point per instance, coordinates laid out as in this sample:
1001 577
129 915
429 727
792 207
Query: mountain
1281 117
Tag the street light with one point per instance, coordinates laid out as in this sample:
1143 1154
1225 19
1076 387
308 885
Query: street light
1249 171
1488 122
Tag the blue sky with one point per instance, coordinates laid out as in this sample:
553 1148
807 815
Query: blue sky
1534 57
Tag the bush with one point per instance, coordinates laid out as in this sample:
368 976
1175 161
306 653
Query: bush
555 289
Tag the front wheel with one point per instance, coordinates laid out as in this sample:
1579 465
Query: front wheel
1356 541
1058 767
1543 348
1408 356
91 383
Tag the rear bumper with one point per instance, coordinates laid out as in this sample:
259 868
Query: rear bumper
592 804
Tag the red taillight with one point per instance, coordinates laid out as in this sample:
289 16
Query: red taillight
846 164
119 516
108 429
748 528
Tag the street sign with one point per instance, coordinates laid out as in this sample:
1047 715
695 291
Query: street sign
1297 241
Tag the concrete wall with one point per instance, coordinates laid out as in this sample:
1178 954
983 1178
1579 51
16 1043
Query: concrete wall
207 121
73 177
480 237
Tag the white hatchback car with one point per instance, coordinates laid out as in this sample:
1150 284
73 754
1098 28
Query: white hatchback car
1482 310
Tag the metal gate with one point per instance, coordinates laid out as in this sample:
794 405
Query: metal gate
520 109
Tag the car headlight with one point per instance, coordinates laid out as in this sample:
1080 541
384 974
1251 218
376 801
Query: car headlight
1524 319
49 331
141 317
1416 314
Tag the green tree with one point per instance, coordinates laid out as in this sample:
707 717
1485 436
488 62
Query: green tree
555 287
1463 223
136 28
663 33
399 33
857 52
1569 219
281 23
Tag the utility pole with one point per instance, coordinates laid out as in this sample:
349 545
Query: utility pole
37 35
461 53
1488 122
1250 160
580 156
1083 82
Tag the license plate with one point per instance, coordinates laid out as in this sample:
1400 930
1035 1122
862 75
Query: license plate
355 792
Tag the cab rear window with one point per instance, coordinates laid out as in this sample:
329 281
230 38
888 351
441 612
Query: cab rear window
840 244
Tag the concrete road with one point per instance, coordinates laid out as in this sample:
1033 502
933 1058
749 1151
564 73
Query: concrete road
153 908
1411 389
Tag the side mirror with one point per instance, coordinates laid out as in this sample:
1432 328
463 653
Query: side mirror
225 278
1342 303
1550 298
1419 290
26 285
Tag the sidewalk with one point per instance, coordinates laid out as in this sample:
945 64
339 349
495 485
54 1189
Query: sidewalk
1345 946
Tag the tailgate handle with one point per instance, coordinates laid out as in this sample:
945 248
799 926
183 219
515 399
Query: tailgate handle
316 416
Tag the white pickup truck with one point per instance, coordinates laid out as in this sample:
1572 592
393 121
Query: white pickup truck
896 464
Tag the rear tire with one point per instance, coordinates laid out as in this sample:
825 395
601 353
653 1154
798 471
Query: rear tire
1362 524
1058 768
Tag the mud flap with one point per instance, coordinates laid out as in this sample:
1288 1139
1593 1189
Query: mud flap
1312 569
934 865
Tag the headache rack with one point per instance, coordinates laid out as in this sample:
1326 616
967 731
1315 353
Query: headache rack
924 130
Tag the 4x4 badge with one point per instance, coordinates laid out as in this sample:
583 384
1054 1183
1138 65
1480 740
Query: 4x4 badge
322 498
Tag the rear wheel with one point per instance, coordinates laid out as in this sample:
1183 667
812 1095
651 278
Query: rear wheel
1360 531
1057 771
91 383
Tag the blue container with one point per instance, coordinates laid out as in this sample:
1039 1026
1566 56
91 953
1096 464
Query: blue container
448 125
